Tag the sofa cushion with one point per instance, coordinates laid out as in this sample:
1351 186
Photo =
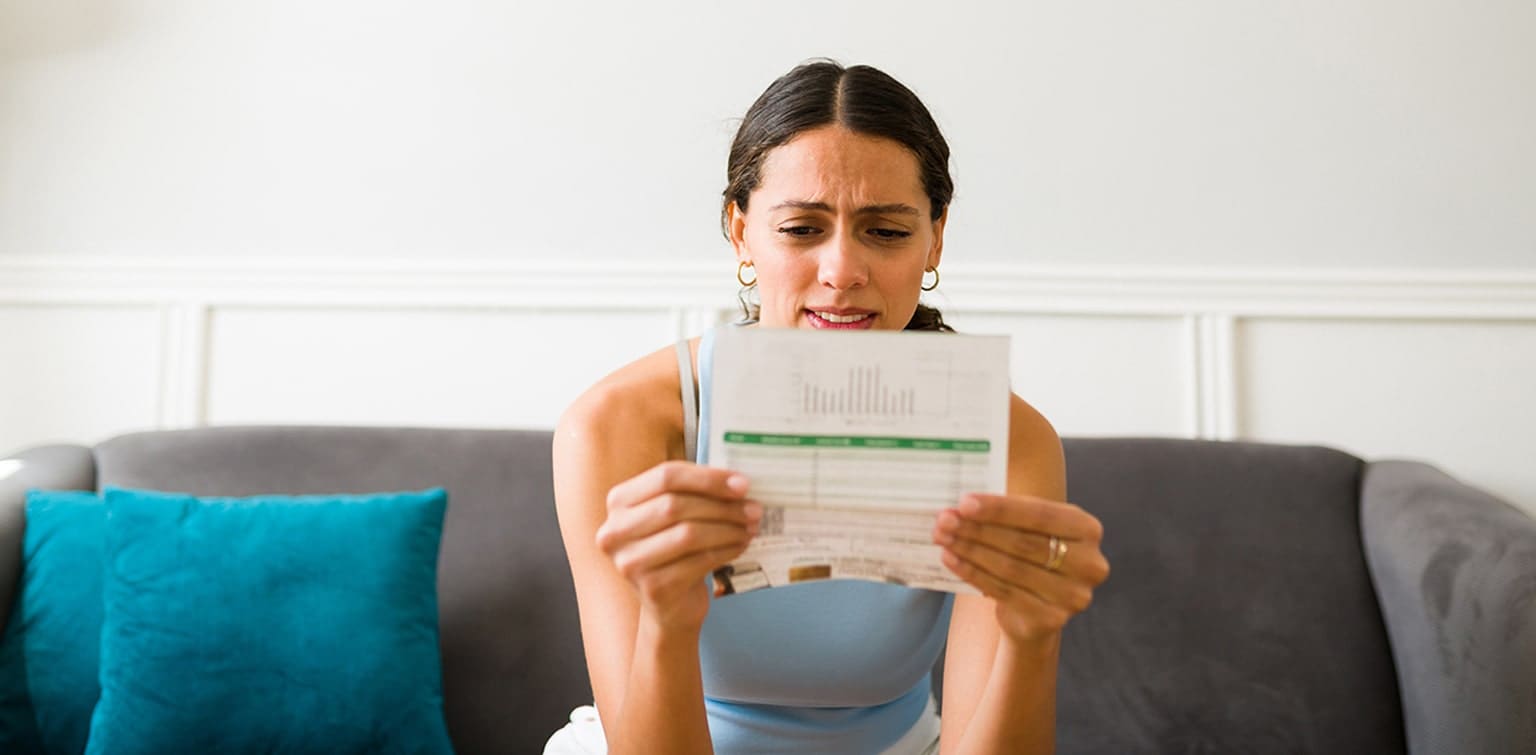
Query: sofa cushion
1240 616
270 624
48 654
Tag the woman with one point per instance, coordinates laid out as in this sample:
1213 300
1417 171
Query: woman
836 205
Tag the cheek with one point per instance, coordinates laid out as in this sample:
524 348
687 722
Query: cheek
783 277
905 276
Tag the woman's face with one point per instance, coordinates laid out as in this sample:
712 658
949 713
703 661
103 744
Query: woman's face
838 231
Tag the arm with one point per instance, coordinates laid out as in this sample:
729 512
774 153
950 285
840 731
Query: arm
58 467
641 533
1455 569
1000 666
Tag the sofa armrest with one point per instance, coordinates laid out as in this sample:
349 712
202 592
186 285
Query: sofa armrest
60 467
1455 570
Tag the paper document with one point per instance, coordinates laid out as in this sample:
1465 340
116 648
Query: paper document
853 443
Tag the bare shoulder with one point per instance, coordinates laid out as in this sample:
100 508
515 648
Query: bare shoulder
628 393
632 417
1026 423
1036 464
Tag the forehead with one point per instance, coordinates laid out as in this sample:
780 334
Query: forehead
837 166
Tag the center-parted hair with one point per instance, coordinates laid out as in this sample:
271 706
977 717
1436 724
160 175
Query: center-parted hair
862 99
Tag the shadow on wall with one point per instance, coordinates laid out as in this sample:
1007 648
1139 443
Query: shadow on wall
31 29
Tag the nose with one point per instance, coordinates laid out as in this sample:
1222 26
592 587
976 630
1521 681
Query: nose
842 265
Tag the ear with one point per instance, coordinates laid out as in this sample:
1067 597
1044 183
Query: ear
736 231
937 250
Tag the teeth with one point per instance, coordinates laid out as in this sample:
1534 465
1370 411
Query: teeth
829 317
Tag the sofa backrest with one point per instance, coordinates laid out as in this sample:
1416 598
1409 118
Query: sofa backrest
511 648
1239 615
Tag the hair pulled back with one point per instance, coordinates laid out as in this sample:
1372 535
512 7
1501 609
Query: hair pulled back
862 99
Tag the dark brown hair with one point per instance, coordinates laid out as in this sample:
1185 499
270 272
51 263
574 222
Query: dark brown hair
862 99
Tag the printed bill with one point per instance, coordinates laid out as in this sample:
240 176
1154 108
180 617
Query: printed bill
853 443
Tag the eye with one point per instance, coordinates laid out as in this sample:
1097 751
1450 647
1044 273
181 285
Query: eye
889 234
799 230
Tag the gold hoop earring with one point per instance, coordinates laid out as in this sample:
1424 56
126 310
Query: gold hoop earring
935 283
740 268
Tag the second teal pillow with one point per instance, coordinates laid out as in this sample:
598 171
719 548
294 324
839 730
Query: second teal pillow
278 624
48 653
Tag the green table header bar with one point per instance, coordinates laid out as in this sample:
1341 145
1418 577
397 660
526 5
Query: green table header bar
856 441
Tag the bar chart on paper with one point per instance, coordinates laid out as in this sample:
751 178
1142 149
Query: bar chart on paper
863 394
887 421
828 388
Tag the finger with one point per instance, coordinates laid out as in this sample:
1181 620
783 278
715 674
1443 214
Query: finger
1060 589
635 559
1063 520
668 509
1030 546
993 586
1082 558
678 477
688 571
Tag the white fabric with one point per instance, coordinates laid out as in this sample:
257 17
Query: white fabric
584 735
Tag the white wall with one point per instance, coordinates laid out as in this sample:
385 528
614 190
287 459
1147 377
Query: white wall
1303 222
1215 132
1429 367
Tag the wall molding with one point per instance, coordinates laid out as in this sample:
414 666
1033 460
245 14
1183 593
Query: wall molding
625 284
183 364
1211 375
1209 304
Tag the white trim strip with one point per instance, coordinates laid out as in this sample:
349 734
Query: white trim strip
183 364
1218 366
609 285
1194 378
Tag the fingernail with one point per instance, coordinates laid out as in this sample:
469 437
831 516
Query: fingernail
970 505
737 483
948 521
753 510
943 537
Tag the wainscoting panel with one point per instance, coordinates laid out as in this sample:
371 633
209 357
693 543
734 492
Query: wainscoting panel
69 373
465 368
1459 394
1097 375
1429 364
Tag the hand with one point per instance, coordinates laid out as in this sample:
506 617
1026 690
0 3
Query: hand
671 525
1001 545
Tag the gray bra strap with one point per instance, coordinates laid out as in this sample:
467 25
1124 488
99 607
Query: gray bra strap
690 405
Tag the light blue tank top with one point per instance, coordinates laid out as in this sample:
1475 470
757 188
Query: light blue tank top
825 667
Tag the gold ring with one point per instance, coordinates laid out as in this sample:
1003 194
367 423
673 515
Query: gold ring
1058 553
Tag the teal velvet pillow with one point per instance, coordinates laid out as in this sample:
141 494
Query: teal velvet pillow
48 654
274 624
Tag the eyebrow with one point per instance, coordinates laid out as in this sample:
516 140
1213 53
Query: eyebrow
895 208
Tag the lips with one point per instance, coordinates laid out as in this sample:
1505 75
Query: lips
840 319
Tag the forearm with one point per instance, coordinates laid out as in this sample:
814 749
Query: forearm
1017 709
663 705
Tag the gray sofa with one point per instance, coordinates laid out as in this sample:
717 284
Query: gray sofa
1265 598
